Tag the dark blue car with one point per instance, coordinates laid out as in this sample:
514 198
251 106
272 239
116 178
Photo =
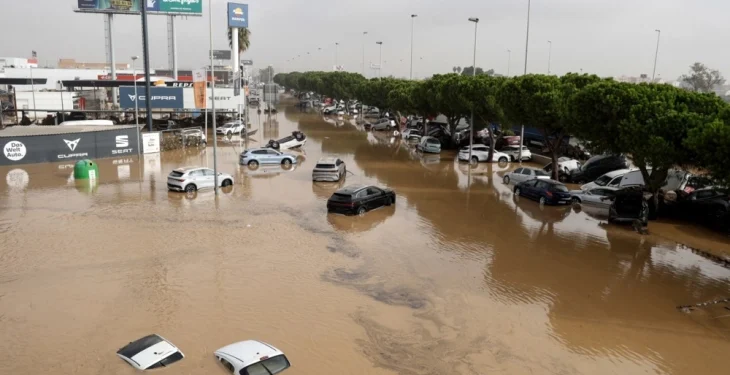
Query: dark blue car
544 191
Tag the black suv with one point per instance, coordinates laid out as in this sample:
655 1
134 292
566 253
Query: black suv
358 199
596 167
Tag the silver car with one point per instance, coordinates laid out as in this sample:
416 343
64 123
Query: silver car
383 124
265 155
524 174
329 169
192 179
600 196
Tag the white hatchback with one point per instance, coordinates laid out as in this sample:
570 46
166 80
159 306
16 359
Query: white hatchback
252 357
150 352
190 179
514 153
480 153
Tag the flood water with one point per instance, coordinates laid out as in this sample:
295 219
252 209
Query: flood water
457 278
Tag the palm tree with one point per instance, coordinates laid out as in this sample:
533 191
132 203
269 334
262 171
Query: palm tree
243 39
458 69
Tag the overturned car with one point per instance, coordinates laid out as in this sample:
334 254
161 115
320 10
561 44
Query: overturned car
297 139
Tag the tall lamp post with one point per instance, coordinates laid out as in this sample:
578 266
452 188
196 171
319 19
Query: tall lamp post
527 43
413 17
212 101
337 46
473 74
136 97
509 60
656 54
550 54
380 63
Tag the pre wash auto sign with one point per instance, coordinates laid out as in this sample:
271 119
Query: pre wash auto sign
161 97
68 147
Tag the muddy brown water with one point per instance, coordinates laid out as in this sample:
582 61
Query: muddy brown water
457 278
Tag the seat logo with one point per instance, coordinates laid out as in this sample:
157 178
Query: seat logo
122 141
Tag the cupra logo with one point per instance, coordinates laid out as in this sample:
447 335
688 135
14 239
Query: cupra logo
72 144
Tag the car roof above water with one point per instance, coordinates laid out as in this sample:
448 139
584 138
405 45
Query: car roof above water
188 169
249 352
352 189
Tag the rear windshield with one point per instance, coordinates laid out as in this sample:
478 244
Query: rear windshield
339 197
271 366
560 188
324 166
176 174
135 347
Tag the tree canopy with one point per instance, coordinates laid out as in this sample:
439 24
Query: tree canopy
702 78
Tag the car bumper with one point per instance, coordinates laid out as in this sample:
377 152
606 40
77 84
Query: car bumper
326 177
174 187
335 209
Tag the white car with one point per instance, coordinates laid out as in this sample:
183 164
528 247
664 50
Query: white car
230 128
480 153
190 179
610 179
565 164
600 196
297 139
514 153
524 174
329 169
252 358
150 352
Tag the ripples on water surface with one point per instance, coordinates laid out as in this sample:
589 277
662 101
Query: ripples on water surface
457 277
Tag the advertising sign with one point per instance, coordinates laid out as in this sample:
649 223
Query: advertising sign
150 143
237 15
183 7
69 146
247 62
199 87
221 54
162 97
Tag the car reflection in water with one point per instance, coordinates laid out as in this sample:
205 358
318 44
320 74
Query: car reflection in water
324 190
186 198
361 223
542 213
268 171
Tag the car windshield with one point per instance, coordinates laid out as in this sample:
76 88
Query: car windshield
603 180
560 188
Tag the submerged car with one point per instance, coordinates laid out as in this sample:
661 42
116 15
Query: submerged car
544 190
190 179
252 357
480 153
297 139
595 196
329 170
710 206
150 352
629 205
230 128
596 167
358 199
265 155
514 153
192 137
429 145
610 179
382 124
525 174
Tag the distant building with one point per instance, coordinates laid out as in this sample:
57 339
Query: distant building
18 62
73 64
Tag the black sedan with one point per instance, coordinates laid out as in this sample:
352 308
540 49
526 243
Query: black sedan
710 206
543 190
358 199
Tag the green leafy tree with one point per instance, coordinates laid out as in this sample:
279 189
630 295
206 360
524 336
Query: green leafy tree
711 143
468 71
701 78
482 93
448 98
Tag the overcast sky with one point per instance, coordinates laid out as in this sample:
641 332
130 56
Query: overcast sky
606 37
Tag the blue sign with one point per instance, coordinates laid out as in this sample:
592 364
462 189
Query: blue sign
162 97
237 15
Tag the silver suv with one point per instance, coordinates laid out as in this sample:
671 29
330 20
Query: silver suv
190 179
329 169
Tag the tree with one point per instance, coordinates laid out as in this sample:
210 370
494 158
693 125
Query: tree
482 92
243 39
653 124
468 71
702 78
375 92
711 143
448 98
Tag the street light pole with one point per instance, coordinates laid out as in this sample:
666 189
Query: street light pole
337 46
413 16
363 52
527 43
136 97
32 88
550 54
656 54
509 60
212 101
473 74
380 63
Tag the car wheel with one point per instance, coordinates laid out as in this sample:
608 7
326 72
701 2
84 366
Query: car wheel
506 180
543 200
286 163
518 192
389 202
229 134
361 210
576 200
226 183
502 160
474 159
512 158
253 164
190 188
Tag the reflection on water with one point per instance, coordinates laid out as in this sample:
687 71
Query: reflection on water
457 277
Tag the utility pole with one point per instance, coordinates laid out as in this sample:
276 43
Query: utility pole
527 43
473 74
413 17
656 54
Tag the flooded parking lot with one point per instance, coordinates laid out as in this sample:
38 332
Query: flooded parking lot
457 277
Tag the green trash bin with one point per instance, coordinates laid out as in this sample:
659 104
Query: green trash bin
86 170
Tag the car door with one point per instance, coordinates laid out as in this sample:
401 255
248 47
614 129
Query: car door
528 174
273 157
540 187
593 197
209 178
528 188
516 176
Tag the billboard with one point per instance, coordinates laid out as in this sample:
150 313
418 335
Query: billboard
247 62
183 7
162 97
237 15
221 54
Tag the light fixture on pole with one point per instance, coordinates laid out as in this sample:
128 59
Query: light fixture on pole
473 74
509 60
212 99
413 16
527 43
550 54
136 97
656 54
380 63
